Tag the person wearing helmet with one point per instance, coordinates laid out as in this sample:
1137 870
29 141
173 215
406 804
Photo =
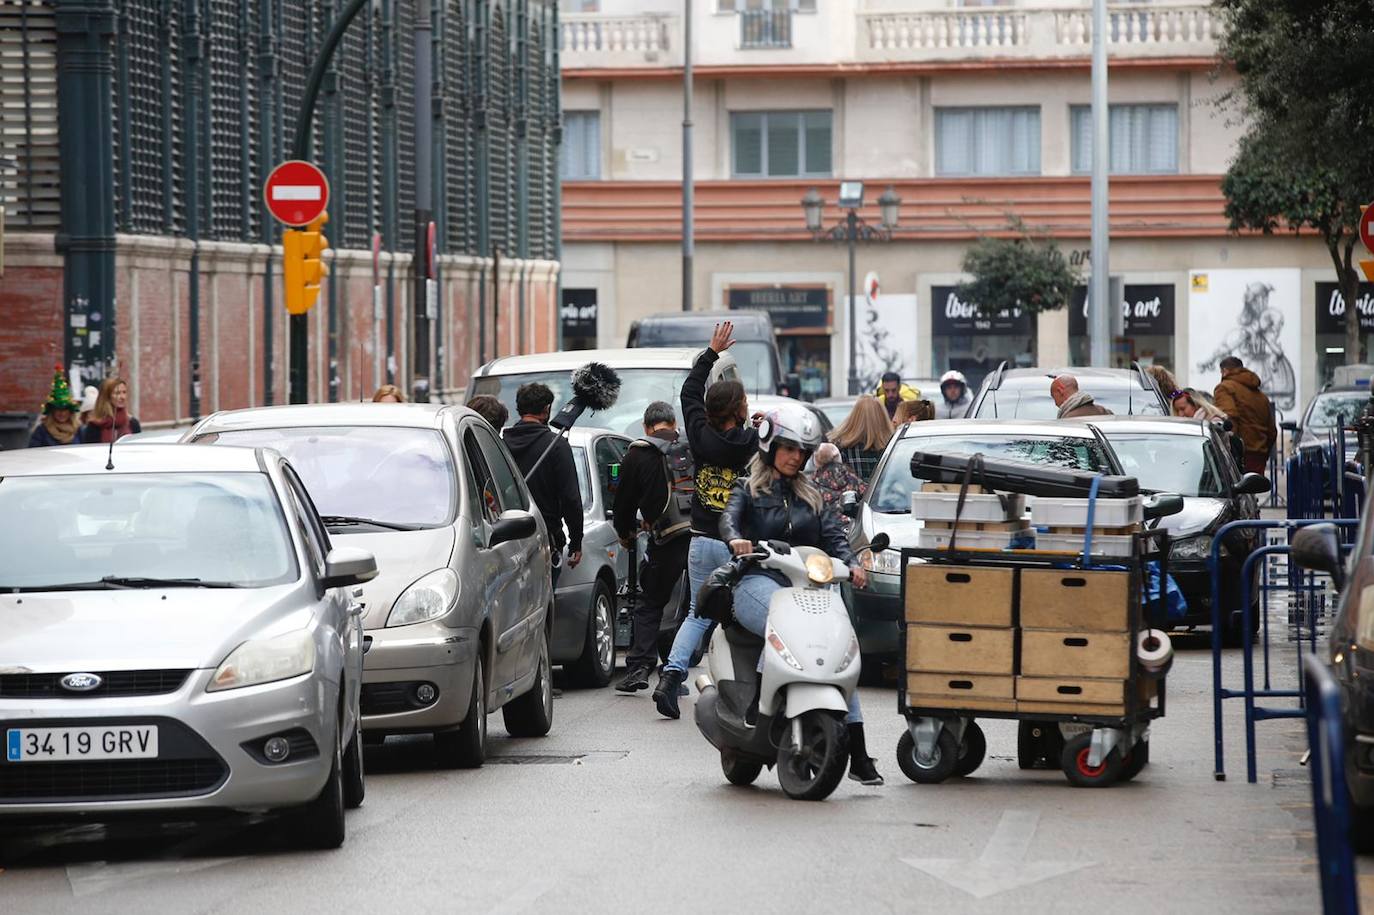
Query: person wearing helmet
954 396
777 501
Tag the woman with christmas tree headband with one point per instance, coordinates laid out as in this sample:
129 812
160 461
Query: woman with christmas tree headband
59 424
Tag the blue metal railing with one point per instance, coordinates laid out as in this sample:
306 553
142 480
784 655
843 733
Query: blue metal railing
1330 801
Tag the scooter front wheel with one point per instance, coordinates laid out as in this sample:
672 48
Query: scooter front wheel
811 771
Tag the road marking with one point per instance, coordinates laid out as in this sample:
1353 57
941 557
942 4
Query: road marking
296 191
100 876
1002 865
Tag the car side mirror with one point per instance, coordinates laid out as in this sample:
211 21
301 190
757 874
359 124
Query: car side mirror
879 542
512 525
1251 484
849 504
1317 549
346 566
1289 426
1162 505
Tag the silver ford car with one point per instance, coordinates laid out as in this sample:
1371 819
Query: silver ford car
178 633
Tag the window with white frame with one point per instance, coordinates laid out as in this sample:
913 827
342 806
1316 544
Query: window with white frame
987 141
780 144
581 145
1143 139
739 6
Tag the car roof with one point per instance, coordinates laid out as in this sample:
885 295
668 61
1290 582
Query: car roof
1097 374
649 357
163 458
709 317
411 415
1164 425
1038 427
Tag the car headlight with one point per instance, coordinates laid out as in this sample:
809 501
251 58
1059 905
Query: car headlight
429 598
888 562
776 641
1193 548
849 655
820 569
266 660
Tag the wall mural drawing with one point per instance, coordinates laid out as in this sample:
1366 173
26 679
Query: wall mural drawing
1253 315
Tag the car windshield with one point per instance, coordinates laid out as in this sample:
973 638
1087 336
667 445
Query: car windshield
584 479
121 530
892 494
390 474
638 389
1328 409
1030 399
1167 463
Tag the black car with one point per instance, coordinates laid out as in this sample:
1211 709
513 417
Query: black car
1010 393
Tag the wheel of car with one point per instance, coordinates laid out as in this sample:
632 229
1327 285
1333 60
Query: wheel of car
531 715
595 666
466 748
354 777
320 823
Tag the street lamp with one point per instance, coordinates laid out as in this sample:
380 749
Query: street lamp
852 229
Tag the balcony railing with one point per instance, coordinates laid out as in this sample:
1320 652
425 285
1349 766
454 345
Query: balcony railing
946 30
1193 24
765 29
591 39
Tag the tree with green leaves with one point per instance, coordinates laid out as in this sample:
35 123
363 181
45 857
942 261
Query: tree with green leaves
1024 271
1306 161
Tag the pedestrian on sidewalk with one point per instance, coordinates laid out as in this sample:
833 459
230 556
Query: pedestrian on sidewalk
723 440
490 409
388 393
863 436
1073 403
110 420
1239 397
657 479
955 397
554 485
59 425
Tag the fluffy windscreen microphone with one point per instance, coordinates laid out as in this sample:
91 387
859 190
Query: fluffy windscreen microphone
595 387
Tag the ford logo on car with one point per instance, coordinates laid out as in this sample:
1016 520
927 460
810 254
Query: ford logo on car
81 683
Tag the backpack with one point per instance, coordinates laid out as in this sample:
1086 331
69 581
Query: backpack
680 470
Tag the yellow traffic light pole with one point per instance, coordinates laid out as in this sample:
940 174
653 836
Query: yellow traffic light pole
302 271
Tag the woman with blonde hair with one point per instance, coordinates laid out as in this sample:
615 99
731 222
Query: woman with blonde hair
1168 385
388 393
863 436
110 420
914 411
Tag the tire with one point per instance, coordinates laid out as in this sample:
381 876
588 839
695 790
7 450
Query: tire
320 823
466 747
594 668
813 772
531 715
739 771
972 750
1136 760
354 774
1038 752
941 766
1074 761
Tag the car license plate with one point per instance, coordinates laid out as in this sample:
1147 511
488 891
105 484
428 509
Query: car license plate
130 741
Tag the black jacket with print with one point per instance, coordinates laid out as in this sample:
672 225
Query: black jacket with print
779 514
720 456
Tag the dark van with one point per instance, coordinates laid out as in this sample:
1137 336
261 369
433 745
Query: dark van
756 351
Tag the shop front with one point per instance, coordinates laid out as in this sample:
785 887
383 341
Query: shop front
964 340
1147 326
802 317
1331 325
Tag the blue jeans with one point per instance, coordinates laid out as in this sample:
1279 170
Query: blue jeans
704 556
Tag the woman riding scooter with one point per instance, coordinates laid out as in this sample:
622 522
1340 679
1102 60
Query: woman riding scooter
778 502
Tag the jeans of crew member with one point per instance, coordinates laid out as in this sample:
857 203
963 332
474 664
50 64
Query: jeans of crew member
663 566
705 555
752 596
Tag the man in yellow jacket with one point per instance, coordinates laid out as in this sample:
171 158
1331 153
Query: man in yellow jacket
891 391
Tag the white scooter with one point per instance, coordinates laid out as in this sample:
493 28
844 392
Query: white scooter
810 671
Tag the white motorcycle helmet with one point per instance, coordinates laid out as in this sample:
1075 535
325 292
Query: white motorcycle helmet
793 425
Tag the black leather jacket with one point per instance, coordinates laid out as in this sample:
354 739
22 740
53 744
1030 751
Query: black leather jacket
780 515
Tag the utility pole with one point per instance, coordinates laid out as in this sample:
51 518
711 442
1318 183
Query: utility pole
688 228
424 165
1099 298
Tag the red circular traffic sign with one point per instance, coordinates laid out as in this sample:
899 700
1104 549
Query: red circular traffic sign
296 192
1367 227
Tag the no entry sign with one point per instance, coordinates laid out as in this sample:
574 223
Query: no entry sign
296 193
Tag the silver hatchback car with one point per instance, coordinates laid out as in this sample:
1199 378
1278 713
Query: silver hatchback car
178 634
458 623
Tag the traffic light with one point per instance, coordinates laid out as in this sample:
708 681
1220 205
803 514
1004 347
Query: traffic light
302 267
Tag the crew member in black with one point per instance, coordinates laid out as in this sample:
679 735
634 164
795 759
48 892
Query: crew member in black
554 485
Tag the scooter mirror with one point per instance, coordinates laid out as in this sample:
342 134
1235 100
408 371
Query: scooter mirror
880 542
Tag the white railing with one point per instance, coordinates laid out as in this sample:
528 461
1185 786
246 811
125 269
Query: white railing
1142 25
623 39
955 29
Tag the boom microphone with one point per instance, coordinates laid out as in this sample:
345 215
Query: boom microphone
595 387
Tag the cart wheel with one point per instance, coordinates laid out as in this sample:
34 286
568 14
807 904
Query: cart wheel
1039 745
942 764
1081 775
1138 758
972 750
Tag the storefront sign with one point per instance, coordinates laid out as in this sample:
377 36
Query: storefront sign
790 307
1331 308
952 316
1148 310
579 313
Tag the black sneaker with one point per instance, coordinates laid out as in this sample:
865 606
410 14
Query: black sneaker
667 691
636 679
861 767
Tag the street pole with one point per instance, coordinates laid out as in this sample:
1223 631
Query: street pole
688 229
1099 321
852 224
424 164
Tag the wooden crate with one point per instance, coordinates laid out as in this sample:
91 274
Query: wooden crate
960 650
1068 709
1065 653
956 686
973 703
1073 690
999 526
1078 600
959 595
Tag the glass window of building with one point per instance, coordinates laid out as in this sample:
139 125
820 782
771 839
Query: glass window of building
1144 139
780 144
581 145
739 6
987 141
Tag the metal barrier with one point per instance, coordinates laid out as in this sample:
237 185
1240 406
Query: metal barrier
1305 586
1330 801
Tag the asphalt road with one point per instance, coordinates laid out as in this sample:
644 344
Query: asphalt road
619 810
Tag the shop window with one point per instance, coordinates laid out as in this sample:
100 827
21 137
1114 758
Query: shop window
781 144
987 141
1144 139
581 146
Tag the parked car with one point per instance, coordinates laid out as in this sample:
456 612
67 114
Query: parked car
886 506
1010 393
179 636
1327 410
755 349
459 622
155 436
1193 459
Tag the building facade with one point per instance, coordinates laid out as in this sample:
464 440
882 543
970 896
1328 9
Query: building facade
972 113
137 136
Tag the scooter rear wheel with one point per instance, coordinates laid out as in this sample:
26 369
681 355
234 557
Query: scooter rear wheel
739 771
812 771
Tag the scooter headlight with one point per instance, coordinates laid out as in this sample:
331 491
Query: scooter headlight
849 655
776 641
820 569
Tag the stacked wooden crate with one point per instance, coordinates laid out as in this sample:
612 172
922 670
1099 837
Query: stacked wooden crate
1076 641
961 636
